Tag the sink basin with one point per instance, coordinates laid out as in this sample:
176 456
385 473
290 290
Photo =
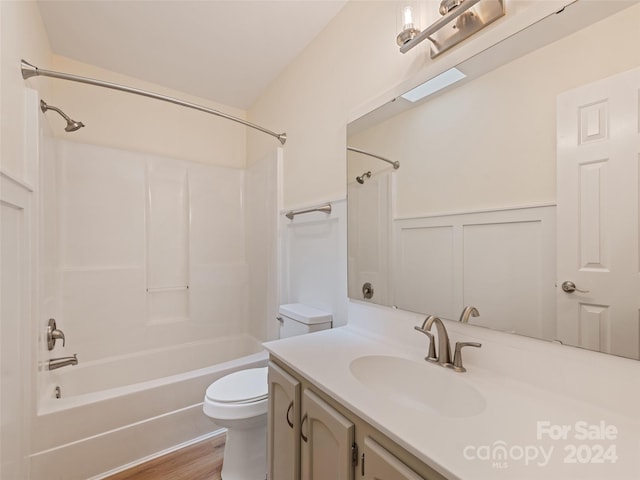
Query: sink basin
418 385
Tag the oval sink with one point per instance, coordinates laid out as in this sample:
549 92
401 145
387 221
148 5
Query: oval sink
418 385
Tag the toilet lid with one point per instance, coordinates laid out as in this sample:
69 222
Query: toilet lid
244 386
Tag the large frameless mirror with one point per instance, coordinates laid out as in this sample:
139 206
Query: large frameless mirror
517 186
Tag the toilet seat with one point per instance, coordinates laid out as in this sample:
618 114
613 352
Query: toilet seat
241 396
244 386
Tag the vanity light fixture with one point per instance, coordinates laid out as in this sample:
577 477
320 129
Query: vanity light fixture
430 87
460 19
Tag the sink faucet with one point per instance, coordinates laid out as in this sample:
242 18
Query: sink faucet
443 357
444 349
55 363
469 311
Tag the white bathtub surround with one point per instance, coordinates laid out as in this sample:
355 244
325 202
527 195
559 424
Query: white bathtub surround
533 391
151 251
262 204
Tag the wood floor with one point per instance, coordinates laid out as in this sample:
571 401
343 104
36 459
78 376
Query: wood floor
201 461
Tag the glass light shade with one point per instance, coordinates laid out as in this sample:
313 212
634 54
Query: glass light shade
407 21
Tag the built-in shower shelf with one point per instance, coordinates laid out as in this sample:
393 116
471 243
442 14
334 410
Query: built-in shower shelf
167 289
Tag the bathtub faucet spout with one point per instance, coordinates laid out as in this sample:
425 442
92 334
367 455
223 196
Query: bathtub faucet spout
63 362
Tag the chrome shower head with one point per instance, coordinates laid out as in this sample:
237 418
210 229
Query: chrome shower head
361 178
72 125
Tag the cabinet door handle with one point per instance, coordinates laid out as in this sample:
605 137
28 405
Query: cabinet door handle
289 422
304 419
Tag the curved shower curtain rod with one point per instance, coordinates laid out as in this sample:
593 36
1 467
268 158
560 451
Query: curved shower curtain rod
29 71
396 164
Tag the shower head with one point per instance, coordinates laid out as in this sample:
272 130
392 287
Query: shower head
361 178
72 125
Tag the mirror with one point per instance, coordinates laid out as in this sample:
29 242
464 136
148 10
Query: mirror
517 178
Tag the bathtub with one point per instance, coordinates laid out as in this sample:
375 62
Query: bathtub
116 413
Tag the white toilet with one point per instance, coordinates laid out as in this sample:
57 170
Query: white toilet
238 401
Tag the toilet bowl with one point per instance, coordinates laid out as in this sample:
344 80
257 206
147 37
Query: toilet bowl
239 401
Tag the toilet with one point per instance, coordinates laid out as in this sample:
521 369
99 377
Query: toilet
239 401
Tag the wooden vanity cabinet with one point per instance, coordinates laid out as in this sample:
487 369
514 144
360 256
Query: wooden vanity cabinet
313 437
327 441
283 425
378 464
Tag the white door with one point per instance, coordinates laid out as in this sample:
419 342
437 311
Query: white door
597 248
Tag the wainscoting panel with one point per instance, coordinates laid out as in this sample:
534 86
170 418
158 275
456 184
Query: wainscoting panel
500 261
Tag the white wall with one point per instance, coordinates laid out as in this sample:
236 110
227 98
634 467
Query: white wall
135 123
351 67
22 35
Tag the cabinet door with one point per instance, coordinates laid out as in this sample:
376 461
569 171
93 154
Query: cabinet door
283 441
379 464
327 439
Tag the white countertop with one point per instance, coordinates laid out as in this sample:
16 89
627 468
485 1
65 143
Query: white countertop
469 447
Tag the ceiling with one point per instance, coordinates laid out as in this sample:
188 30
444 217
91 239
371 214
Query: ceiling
228 51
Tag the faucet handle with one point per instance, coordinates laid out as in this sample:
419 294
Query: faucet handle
468 311
54 334
431 355
457 356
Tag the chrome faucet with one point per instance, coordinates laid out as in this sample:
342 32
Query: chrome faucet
55 363
469 311
443 356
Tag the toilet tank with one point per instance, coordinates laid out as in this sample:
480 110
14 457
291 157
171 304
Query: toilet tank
297 319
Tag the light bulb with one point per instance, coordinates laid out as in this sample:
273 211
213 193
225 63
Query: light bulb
407 21
407 17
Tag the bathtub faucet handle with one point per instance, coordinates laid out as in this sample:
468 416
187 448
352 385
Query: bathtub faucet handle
54 334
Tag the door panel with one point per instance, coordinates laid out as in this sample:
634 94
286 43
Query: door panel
379 464
327 438
598 248
283 444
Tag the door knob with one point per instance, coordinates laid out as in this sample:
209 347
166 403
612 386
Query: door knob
570 287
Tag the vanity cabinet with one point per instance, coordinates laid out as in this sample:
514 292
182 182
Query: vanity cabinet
283 425
378 464
311 436
328 440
